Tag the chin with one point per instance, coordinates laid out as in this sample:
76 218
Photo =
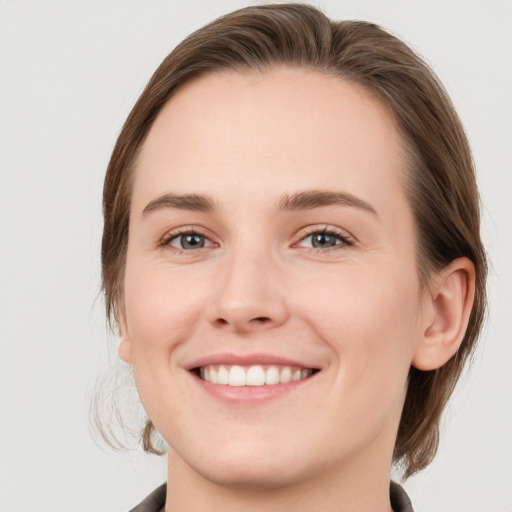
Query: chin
243 465
249 476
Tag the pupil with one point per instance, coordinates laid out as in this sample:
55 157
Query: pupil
192 242
324 240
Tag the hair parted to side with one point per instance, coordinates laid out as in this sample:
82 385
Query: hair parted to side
441 185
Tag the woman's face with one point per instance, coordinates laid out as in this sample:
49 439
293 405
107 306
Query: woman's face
270 239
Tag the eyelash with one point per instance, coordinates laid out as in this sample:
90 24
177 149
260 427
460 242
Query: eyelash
179 232
339 235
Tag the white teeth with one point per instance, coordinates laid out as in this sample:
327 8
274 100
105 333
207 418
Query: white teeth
285 375
223 375
272 376
237 376
255 375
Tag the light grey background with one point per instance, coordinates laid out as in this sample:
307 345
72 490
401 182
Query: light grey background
69 73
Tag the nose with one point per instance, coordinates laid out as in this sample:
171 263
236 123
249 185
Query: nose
249 295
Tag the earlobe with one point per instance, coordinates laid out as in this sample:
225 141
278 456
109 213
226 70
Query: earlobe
451 301
124 348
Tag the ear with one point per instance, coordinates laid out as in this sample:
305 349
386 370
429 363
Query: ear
452 292
124 346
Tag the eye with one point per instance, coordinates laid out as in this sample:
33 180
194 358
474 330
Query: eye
324 239
189 241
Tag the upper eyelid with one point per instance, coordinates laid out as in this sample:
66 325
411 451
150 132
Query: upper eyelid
183 230
330 230
342 241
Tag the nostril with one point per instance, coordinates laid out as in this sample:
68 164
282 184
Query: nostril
243 323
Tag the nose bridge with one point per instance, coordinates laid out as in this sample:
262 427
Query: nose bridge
249 295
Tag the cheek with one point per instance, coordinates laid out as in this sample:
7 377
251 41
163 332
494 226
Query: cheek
368 317
161 310
161 306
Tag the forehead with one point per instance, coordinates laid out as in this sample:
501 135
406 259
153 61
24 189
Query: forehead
285 128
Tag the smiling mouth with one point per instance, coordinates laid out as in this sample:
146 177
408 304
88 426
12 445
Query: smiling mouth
255 375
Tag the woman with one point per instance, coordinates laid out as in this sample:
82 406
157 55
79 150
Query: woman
291 253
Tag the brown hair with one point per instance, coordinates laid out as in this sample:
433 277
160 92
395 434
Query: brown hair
441 185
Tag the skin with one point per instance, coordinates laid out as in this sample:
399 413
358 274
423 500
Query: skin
355 311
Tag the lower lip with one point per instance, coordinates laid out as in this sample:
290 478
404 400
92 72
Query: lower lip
250 395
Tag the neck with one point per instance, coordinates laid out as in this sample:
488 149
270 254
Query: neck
362 488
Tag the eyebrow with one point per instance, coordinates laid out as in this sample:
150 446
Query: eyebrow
193 202
317 198
307 200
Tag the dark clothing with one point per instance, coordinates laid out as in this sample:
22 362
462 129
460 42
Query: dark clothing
155 502
400 502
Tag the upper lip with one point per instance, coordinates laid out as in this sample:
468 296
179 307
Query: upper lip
246 360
